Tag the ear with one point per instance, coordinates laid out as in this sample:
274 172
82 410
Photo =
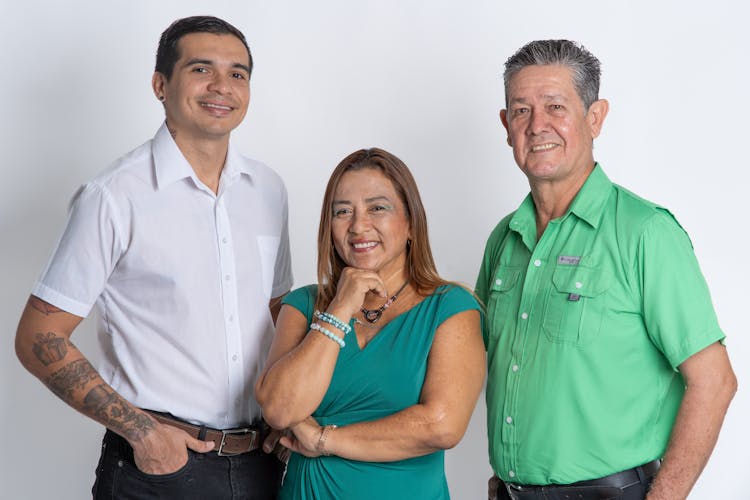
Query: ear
504 119
158 82
596 115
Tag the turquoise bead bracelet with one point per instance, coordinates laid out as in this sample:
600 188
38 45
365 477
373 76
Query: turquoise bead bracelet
333 320
329 334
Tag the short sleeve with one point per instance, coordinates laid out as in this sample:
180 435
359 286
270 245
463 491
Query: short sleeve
282 272
85 255
303 299
455 299
677 308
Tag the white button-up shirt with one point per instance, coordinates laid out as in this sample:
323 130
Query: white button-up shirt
181 277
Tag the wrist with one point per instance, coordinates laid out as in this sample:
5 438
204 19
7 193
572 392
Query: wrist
325 433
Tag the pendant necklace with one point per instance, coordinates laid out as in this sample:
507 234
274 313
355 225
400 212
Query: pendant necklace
373 315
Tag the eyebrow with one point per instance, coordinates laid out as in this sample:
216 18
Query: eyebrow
209 62
367 200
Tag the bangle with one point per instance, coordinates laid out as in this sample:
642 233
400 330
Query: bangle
333 320
321 446
329 334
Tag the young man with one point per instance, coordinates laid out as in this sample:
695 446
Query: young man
182 244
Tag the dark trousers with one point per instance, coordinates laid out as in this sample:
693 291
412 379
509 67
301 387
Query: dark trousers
249 476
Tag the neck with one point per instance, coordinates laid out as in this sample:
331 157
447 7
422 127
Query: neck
205 156
553 198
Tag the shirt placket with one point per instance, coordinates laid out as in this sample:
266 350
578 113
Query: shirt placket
526 321
233 339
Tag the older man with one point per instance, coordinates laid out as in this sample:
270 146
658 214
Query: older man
607 373
182 244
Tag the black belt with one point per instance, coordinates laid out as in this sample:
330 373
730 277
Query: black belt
603 488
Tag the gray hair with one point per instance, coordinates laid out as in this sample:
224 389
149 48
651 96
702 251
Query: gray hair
583 65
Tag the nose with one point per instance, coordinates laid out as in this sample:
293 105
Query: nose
220 84
360 222
537 122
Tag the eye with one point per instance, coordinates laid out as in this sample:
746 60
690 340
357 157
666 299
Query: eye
520 111
340 213
556 107
239 76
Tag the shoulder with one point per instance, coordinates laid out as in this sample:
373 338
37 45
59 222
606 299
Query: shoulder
454 297
261 172
639 217
500 230
302 298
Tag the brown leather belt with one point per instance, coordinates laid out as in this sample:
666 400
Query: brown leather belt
226 442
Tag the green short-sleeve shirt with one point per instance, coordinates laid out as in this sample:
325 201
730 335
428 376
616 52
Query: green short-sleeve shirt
585 329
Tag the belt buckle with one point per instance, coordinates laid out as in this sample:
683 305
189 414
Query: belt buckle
220 452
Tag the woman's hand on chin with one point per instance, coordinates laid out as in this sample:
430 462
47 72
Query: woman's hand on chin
351 290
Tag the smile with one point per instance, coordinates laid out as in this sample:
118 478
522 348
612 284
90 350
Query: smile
543 147
216 106
364 245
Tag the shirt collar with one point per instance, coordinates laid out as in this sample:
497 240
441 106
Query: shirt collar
171 166
588 205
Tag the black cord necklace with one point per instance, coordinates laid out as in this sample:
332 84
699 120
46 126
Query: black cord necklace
373 315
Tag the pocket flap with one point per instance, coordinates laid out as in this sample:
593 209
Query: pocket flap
504 279
584 281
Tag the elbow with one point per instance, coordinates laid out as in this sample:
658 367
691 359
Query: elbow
445 432
275 413
276 416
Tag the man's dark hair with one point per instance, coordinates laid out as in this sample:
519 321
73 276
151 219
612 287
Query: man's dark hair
167 54
585 68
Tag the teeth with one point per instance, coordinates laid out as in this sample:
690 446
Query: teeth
369 244
543 147
215 106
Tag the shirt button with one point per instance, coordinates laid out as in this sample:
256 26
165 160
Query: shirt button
508 420
537 262
579 284
224 239
498 282
227 277
511 473
231 318
234 357
524 315
515 368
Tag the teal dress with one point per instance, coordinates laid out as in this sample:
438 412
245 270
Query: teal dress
371 383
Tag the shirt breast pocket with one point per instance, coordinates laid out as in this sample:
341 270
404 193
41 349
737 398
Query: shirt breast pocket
268 247
501 298
574 307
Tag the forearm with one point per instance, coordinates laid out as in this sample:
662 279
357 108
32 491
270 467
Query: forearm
293 387
55 360
694 435
415 431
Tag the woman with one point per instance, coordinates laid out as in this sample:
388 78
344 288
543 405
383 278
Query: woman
377 369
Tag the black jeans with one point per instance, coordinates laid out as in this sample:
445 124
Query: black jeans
249 476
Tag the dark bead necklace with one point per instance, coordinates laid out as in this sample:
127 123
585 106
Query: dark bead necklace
373 315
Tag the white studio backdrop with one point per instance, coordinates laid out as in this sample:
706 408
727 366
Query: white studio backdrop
420 79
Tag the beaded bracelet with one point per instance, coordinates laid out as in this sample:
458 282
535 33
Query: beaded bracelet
333 320
329 334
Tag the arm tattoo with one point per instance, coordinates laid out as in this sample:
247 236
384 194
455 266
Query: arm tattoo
70 378
114 412
49 348
42 306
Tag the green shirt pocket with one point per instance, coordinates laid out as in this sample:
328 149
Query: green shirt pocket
501 298
574 306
